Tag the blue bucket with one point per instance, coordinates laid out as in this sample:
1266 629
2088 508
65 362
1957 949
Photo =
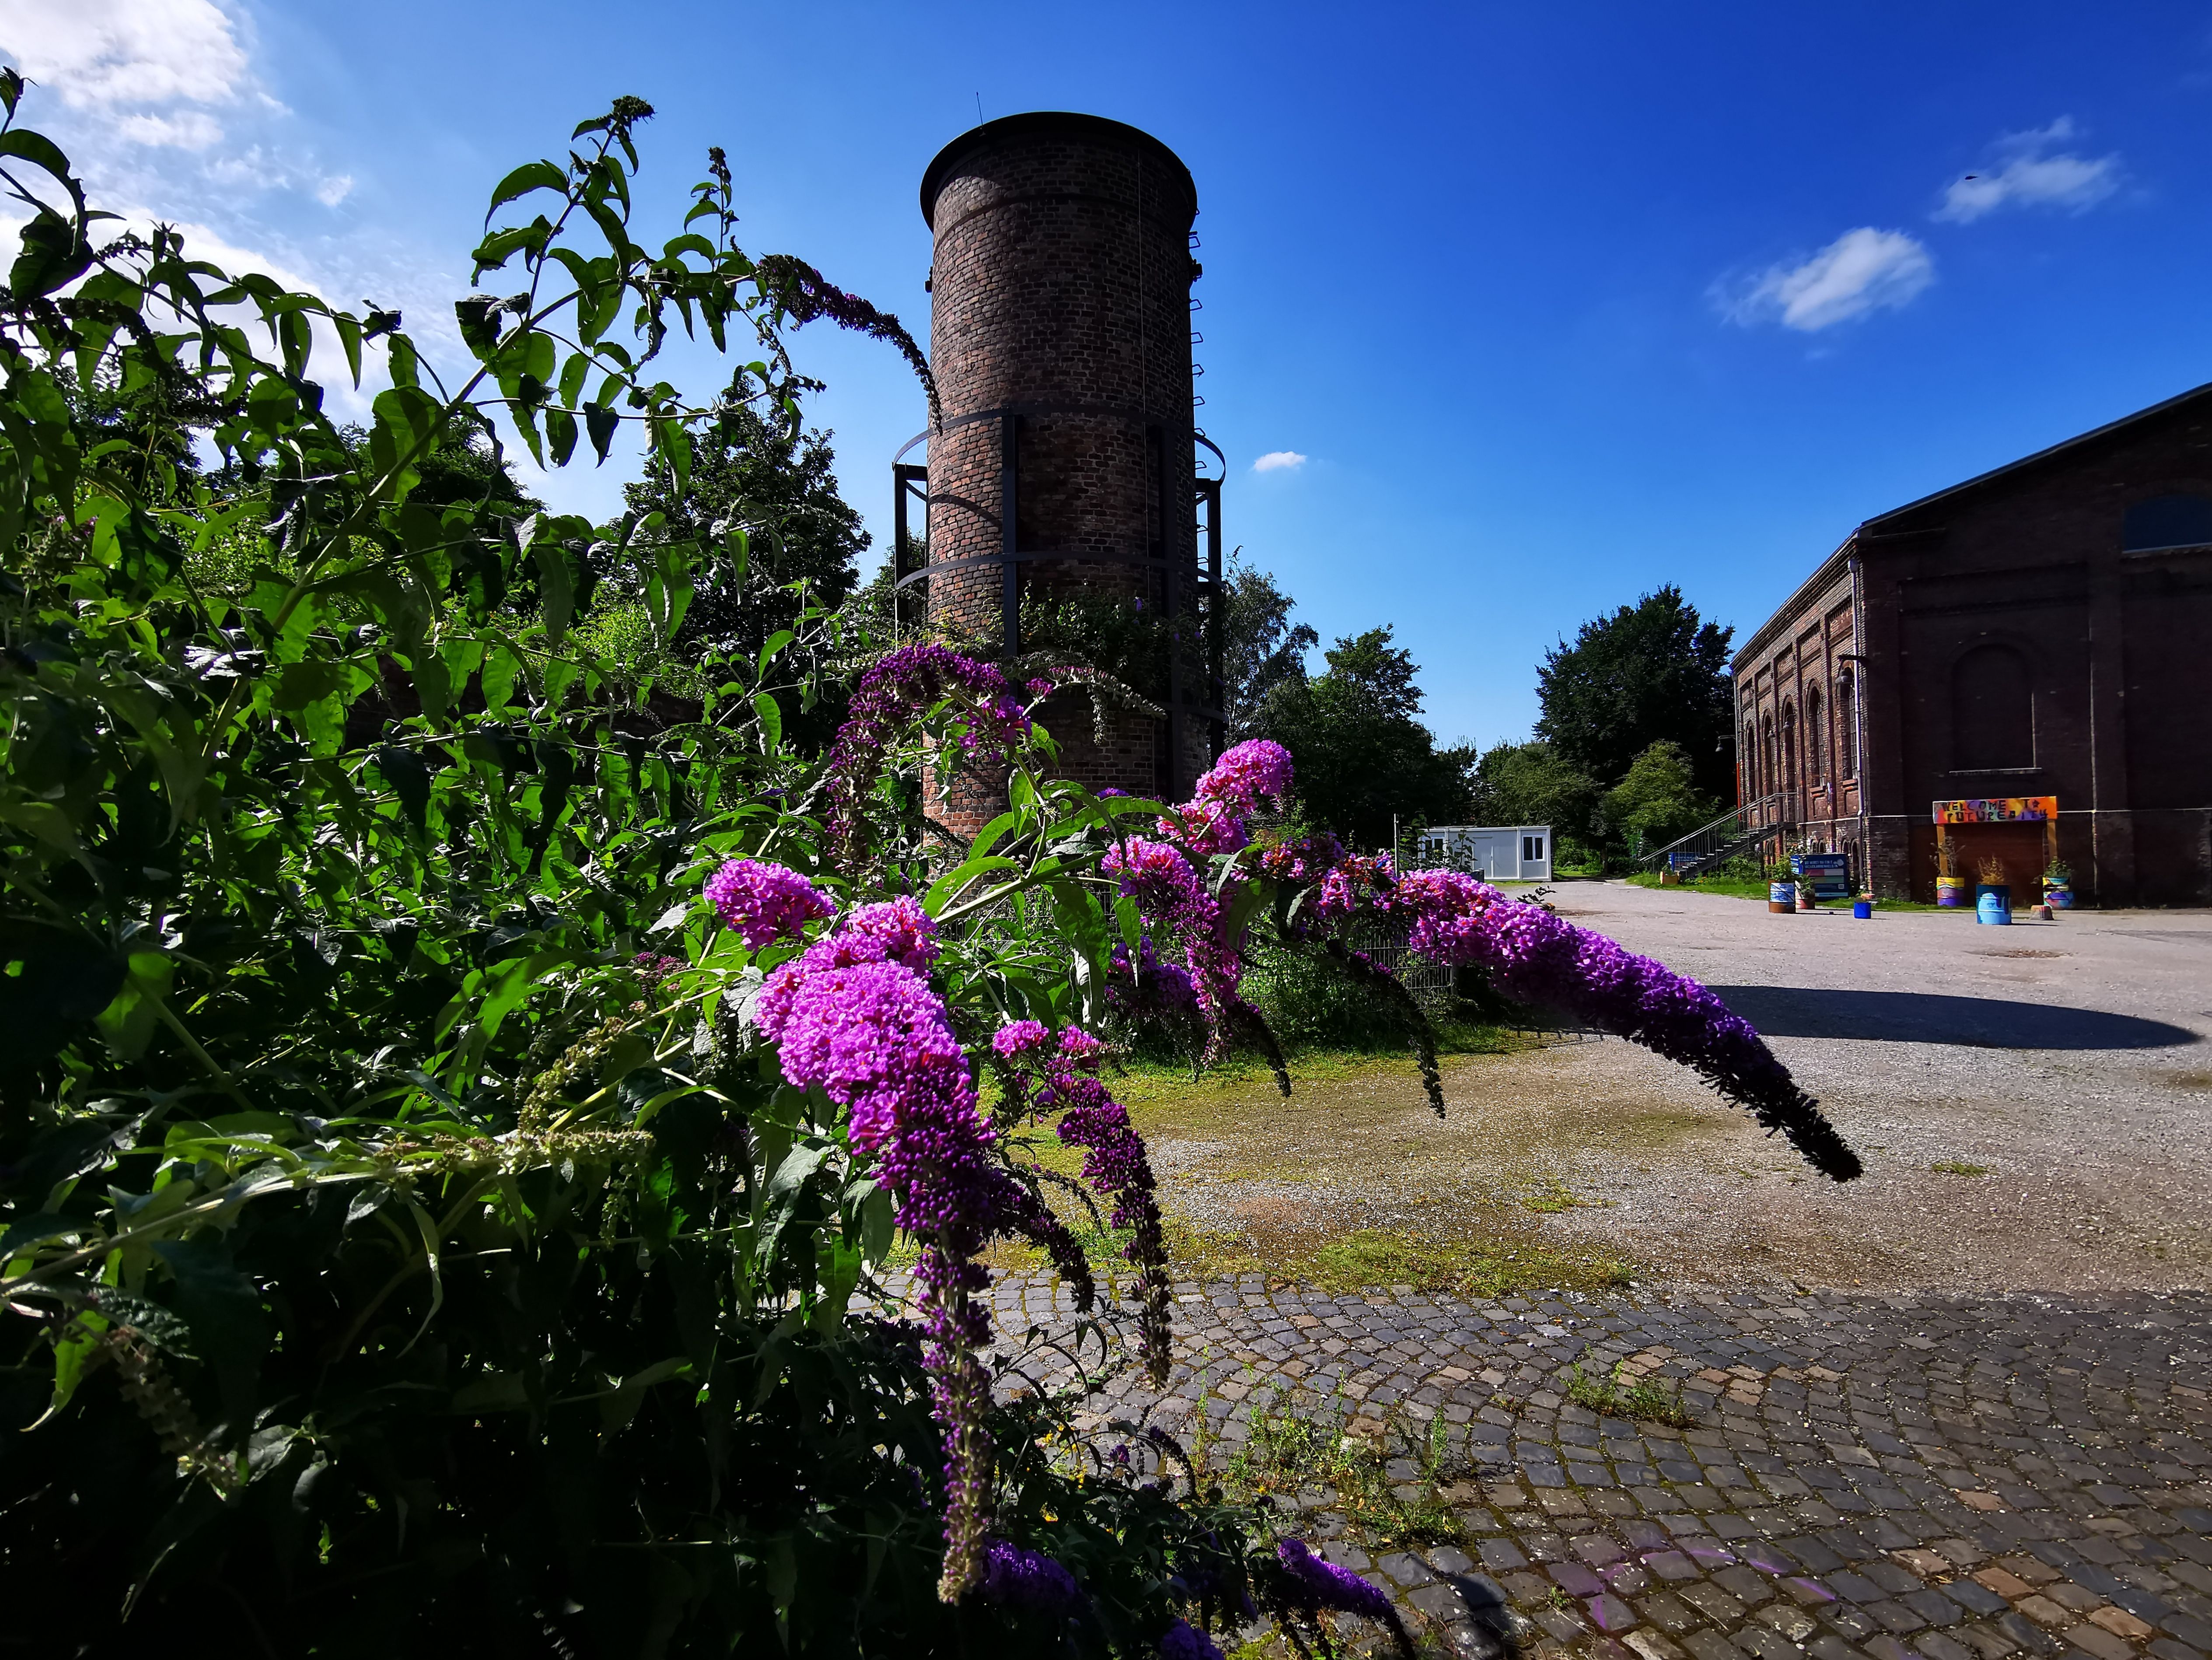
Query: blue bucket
1862 909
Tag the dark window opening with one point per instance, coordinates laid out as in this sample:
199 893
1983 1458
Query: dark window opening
2168 521
1816 747
1992 711
1847 730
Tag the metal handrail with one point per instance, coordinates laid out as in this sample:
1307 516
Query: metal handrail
1765 813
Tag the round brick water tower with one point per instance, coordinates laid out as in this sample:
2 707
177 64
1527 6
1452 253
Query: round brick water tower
1063 465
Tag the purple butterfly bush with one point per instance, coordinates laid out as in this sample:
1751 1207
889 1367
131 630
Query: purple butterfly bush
870 1033
1318 1583
763 903
1029 1581
1185 1641
1051 1075
892 695
1533 956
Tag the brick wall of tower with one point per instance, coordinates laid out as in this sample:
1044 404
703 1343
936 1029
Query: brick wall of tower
1061 275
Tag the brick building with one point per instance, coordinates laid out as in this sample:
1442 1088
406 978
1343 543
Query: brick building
2044 631
1064 461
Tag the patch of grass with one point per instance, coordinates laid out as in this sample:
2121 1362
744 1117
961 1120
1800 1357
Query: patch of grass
1554 1196
1616 1396
1955 1167
1286 1449
1738 886
1377 1257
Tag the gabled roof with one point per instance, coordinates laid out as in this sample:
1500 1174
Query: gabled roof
1794 606
2076 443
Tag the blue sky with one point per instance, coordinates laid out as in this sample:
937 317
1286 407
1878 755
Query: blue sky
1556 304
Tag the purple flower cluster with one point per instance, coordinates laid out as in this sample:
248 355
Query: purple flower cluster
1174 902
1247 774
764 903
1535 957
653 967
1355 885
1185 1641
893 693
853 1016
1308 858
1030 1580
1059 1077
1150 988
1318 1583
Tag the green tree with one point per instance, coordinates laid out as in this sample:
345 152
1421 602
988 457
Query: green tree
765 476
1533 784
1262 650
1365 760
1648 672
1658 800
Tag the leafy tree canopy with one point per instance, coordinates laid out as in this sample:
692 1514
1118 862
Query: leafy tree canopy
1648 672
764 476
1262 648
1364 757
1533 784
1658 800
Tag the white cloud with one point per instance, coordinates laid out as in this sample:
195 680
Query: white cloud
333 190
1862 270
187 130
1279 461
2029 175
107 55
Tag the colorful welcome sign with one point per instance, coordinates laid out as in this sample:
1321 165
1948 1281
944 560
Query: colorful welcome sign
2002 810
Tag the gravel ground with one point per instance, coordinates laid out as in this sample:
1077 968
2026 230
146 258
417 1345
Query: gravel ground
2061 1071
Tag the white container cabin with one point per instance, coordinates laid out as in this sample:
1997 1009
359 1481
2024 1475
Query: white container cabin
1496 853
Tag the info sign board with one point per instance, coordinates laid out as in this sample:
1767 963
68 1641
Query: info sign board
1828 874
2001 810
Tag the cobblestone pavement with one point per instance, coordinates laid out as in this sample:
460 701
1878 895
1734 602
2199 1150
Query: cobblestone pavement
1910 1475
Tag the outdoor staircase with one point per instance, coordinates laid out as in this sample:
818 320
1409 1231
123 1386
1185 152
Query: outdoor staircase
1733 833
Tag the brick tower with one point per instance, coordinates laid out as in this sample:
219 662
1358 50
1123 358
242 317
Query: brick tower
1064 464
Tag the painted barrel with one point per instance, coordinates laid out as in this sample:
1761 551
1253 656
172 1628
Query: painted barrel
1993 904
1808 897
2058 893
1781 896
1950 892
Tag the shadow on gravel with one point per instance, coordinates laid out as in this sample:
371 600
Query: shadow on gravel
1914 1017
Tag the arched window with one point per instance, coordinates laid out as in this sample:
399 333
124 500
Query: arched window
1751 789
1789 746
1766 772
1847 724
1816 747
1992 710
2168 522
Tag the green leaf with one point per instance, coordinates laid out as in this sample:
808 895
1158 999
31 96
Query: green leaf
555 585
1131 921
38 1231
771 720
42 820
305 683
221 1304
941 891
530 176
409 774
128 1023
601 422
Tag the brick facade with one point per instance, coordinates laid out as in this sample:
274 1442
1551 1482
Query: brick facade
1060 339
2040 630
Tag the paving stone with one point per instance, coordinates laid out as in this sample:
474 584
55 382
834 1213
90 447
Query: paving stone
1892 1466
